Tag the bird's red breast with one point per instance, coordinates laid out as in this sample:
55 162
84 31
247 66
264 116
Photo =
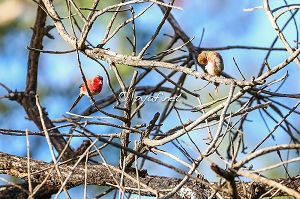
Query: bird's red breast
95 85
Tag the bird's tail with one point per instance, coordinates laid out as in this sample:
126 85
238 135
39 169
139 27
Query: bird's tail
76 101
216 87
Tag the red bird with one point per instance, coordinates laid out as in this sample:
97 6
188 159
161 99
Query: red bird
95 87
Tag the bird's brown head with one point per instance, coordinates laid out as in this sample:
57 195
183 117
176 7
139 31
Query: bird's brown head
202 58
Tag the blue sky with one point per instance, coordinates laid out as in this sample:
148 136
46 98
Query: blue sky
225 24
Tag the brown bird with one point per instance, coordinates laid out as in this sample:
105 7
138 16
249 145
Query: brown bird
213 63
